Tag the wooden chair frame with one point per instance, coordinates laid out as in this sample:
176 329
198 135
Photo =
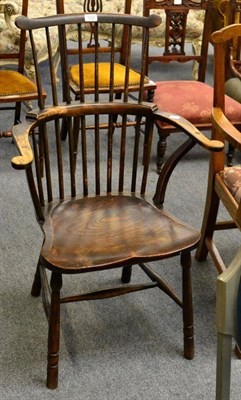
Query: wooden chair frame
223 130
122 218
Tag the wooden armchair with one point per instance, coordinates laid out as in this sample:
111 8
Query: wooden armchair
224 184
96 203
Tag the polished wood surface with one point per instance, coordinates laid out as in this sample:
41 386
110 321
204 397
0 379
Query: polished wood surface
223 130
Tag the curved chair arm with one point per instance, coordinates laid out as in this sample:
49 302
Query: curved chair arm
21 134
195 136
225 128
223 9
188 128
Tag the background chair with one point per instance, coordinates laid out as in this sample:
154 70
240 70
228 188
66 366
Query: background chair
92 203
192 99
232 15
224 184
14 86
228 323
106 51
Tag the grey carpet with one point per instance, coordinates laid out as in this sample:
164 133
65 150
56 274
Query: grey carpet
127 348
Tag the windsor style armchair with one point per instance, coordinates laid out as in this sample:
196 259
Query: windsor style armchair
224 183
96 202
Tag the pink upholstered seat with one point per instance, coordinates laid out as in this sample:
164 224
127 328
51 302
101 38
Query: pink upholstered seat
192 100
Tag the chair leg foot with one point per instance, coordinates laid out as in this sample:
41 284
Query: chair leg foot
52 378
54 332
161 150
126 274
187 306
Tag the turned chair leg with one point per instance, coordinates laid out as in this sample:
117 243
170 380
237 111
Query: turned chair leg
161 150
17 113
187 306
150 95
208 225
36 287
54 332
126 274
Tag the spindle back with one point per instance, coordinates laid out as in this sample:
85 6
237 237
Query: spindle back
92 160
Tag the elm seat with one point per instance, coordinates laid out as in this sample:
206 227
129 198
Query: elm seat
124 222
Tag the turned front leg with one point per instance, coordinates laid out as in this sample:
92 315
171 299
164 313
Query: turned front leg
187 306
54 332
